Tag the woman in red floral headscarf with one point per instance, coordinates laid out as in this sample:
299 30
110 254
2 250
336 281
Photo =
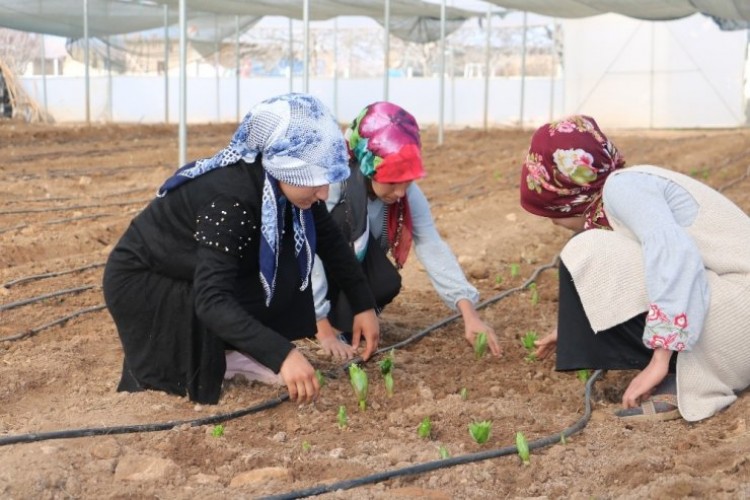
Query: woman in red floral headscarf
384 214
656 279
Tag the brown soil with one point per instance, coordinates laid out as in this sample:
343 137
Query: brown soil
68 192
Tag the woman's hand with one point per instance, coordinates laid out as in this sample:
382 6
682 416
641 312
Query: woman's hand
299 376
643 384
329 341
546 345
473 325
366 325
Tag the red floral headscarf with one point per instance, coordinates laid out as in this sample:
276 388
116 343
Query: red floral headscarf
384 143
565 170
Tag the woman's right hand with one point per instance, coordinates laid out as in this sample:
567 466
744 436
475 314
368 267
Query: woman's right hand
299 376
546 345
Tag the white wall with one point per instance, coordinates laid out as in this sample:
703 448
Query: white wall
631 73
140 99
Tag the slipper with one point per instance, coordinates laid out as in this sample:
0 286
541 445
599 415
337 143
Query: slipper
659 407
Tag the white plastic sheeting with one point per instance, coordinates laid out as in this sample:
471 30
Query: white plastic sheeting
631 73
735 10
112 17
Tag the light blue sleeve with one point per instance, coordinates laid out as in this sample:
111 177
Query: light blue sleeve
657 210
318 274
435 255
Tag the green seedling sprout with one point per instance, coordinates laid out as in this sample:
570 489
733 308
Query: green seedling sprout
444 453
464 393
342 417
321 378
498 279
583 375
480 346
358 378
217 431
424 430
523 448
515 270
480 431
528 343
386 369
534 294
306 446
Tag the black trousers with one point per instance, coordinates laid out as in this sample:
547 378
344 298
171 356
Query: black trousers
579 347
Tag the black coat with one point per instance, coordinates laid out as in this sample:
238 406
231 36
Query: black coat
183 285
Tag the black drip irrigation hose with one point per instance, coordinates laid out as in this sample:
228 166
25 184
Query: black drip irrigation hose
448 462
58 321
222 417
36 277
39 298
131 429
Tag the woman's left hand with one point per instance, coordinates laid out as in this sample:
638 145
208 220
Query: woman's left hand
643 384
366 325
473 326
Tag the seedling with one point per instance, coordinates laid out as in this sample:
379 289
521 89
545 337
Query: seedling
515 270
306 446
480 346
386 369
498 279
321 378
424 430
358 378
464 393
528 341
583 375
342 417
480 431
444 453
523 448
534 294
217 431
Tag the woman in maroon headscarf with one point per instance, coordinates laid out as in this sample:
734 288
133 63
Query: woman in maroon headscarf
656 279
383 214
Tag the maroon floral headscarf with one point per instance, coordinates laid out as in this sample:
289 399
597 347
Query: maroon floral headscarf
565 170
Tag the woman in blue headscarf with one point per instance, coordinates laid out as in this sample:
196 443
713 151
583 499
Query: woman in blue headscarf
214 274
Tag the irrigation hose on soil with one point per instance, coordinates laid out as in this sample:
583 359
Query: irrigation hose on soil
223 417
447 462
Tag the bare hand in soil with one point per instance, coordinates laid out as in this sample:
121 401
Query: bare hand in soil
366 324
546 345
299 376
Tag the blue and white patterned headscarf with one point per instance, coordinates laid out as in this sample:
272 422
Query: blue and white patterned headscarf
300 144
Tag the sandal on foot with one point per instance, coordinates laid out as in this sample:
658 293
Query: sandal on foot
659 407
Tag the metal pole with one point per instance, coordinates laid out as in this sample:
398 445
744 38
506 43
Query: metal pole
237 65
306 64
487 45
336 67
166 63
386 47
44 77
86 60
182 130
441 111
110 94
217 64
651 78
291 57
553 72
523 70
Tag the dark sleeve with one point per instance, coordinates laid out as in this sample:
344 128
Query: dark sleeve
340 262
224 232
